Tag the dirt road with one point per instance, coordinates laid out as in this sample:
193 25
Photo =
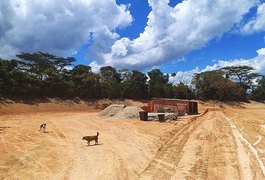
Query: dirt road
207 148
216 145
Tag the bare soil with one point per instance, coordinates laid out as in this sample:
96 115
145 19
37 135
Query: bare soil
225 141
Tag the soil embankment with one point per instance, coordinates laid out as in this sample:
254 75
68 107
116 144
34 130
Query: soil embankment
8 106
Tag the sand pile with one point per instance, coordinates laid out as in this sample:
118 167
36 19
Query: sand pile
129 112
111 110
121 112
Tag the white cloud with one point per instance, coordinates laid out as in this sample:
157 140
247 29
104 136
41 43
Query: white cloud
62 26
257 62
172 32
59 27
261 51
257 23
184 76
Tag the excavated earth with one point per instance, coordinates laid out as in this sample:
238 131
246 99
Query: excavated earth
225 141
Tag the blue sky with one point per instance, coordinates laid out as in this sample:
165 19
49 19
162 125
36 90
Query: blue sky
176 36
230 46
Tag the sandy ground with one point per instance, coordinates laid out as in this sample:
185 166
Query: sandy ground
226 142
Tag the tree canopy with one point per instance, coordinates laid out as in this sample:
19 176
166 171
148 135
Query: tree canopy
46 75
259 92
213 85
242 75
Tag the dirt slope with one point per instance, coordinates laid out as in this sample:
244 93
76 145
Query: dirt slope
227 142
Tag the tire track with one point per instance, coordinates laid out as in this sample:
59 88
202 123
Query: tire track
30 158
202 149
165 162
241 141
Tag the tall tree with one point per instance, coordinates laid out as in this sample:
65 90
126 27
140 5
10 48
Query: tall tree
243 75
44 65
158 84
15 82
213 85
259 92
50 70
6 79
110 82
182 91
134 85
85 81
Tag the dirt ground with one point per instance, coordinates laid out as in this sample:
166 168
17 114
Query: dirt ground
225 141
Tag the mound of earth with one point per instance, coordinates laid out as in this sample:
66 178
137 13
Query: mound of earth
129 112
103 103
111 110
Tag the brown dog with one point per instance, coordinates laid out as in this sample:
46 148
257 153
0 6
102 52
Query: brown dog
91 138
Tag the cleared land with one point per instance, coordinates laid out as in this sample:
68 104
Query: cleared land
226 142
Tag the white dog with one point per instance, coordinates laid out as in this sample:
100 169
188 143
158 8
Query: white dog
43 127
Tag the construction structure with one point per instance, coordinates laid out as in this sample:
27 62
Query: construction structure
180 106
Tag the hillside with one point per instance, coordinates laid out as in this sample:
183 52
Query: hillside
8 106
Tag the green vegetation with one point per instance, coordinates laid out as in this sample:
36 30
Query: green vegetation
213 85
46 75
259 92
226 84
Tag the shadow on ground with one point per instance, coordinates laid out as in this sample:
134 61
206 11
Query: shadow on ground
95 144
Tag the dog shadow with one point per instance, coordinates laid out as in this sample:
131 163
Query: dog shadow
95 144
45 132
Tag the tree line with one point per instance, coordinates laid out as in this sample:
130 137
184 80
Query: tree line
46 75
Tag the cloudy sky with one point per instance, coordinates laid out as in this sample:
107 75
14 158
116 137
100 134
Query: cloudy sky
177 36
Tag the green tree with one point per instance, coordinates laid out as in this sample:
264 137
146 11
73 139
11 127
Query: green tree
213 85
134 85
243 75
158 85
6 80
50 71
182 91
86 82
259 93
15 82
110 82
168 90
